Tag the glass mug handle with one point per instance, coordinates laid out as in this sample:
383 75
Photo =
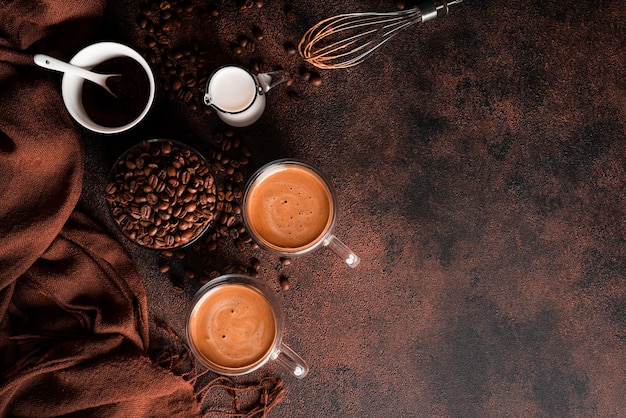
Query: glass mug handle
268 81
291 361
346 254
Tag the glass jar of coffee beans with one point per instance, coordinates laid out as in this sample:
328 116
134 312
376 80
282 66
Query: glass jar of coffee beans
162 194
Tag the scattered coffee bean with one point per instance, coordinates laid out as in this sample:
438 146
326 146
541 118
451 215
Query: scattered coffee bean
245 5
164 267
178 287
305 74
284 261
255 263
291 14
290 48
243 40
284 282
258 33
315 79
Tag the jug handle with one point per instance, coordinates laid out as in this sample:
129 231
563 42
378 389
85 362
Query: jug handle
268 81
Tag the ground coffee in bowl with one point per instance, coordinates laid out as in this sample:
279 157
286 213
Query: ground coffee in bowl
131 89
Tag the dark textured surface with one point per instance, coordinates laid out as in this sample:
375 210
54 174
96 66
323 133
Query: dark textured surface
480 164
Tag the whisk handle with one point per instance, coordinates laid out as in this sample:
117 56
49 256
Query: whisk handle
429 10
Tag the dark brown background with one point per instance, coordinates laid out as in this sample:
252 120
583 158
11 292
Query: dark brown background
479 162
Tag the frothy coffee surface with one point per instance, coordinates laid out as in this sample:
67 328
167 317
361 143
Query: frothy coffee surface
289 208
233 327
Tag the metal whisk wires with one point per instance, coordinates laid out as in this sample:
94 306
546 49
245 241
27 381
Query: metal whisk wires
346 40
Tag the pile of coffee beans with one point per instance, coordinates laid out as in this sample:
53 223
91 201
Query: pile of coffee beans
162 194
181 70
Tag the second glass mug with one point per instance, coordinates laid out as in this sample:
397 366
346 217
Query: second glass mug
235 326
290 209
238 96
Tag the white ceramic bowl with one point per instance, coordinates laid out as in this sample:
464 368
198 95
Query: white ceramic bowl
89 57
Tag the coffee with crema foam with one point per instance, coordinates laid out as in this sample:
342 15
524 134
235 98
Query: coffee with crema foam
289 208
233 327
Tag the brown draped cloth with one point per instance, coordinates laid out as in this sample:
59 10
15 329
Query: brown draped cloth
73 309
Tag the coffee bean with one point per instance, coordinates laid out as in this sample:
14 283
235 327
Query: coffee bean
243 41
145 11
150 42
190 81
290 48
315 80
305 74
255 263
111 188
164 267
247 4
257 32
178 287
284 282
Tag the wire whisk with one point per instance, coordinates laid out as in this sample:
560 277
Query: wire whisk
346 40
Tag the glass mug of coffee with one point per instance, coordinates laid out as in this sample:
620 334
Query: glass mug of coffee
289 208
238 96
236 326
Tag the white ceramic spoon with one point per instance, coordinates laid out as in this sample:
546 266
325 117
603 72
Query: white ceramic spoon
55 64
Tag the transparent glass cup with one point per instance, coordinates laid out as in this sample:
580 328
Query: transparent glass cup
235 326
290 209
238 96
